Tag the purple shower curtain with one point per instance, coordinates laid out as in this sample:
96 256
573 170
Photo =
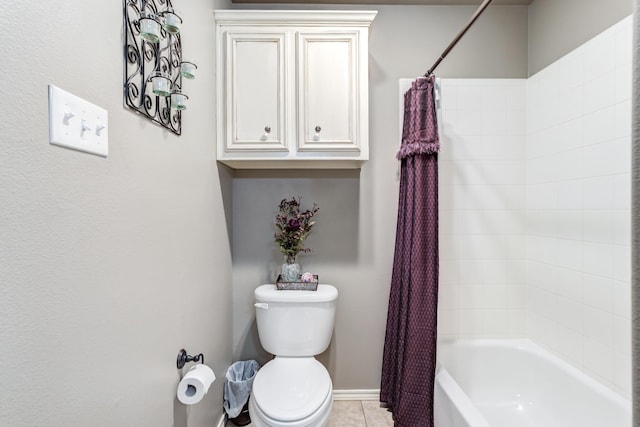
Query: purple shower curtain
409 358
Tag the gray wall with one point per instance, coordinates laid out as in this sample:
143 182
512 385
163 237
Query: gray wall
107 266
556 27
354 236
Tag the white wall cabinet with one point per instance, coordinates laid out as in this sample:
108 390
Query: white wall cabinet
292 88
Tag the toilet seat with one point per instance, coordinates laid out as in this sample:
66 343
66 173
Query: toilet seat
291 390
317 419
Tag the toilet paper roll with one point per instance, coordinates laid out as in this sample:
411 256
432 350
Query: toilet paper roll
195 384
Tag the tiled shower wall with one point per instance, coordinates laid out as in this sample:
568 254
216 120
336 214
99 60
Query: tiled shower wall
578 207
535 208
482 208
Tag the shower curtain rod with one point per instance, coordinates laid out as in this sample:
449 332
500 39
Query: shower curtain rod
455 41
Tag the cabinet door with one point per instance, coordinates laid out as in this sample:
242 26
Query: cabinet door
255 91
327 67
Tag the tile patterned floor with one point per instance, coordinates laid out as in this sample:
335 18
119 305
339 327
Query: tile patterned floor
356 413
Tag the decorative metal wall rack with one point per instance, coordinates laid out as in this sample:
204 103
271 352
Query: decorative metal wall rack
154 67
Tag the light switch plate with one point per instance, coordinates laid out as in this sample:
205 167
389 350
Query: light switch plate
77 124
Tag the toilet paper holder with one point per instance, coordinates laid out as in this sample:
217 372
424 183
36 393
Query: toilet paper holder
183 358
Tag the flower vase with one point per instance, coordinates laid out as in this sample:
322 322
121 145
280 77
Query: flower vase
290 269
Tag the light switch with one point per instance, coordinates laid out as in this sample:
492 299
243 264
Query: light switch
77 124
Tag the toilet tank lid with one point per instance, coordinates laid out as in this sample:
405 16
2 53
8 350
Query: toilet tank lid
269 293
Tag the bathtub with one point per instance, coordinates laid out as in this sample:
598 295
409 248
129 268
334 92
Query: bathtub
516 383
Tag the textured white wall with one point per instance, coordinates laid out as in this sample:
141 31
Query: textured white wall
107 266
635 213
482 209
578 207
566 233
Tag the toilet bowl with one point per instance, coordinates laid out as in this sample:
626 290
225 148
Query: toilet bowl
293 389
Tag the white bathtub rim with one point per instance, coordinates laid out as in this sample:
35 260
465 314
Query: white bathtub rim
528 345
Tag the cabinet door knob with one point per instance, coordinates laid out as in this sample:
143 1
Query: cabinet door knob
265 135
316 136
318 129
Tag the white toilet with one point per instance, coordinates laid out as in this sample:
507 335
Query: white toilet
293 389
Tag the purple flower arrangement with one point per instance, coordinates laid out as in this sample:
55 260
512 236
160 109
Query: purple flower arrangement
293 226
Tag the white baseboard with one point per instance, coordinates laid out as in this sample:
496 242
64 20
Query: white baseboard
371 394
223 420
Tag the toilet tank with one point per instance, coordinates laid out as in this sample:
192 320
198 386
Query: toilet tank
295 323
